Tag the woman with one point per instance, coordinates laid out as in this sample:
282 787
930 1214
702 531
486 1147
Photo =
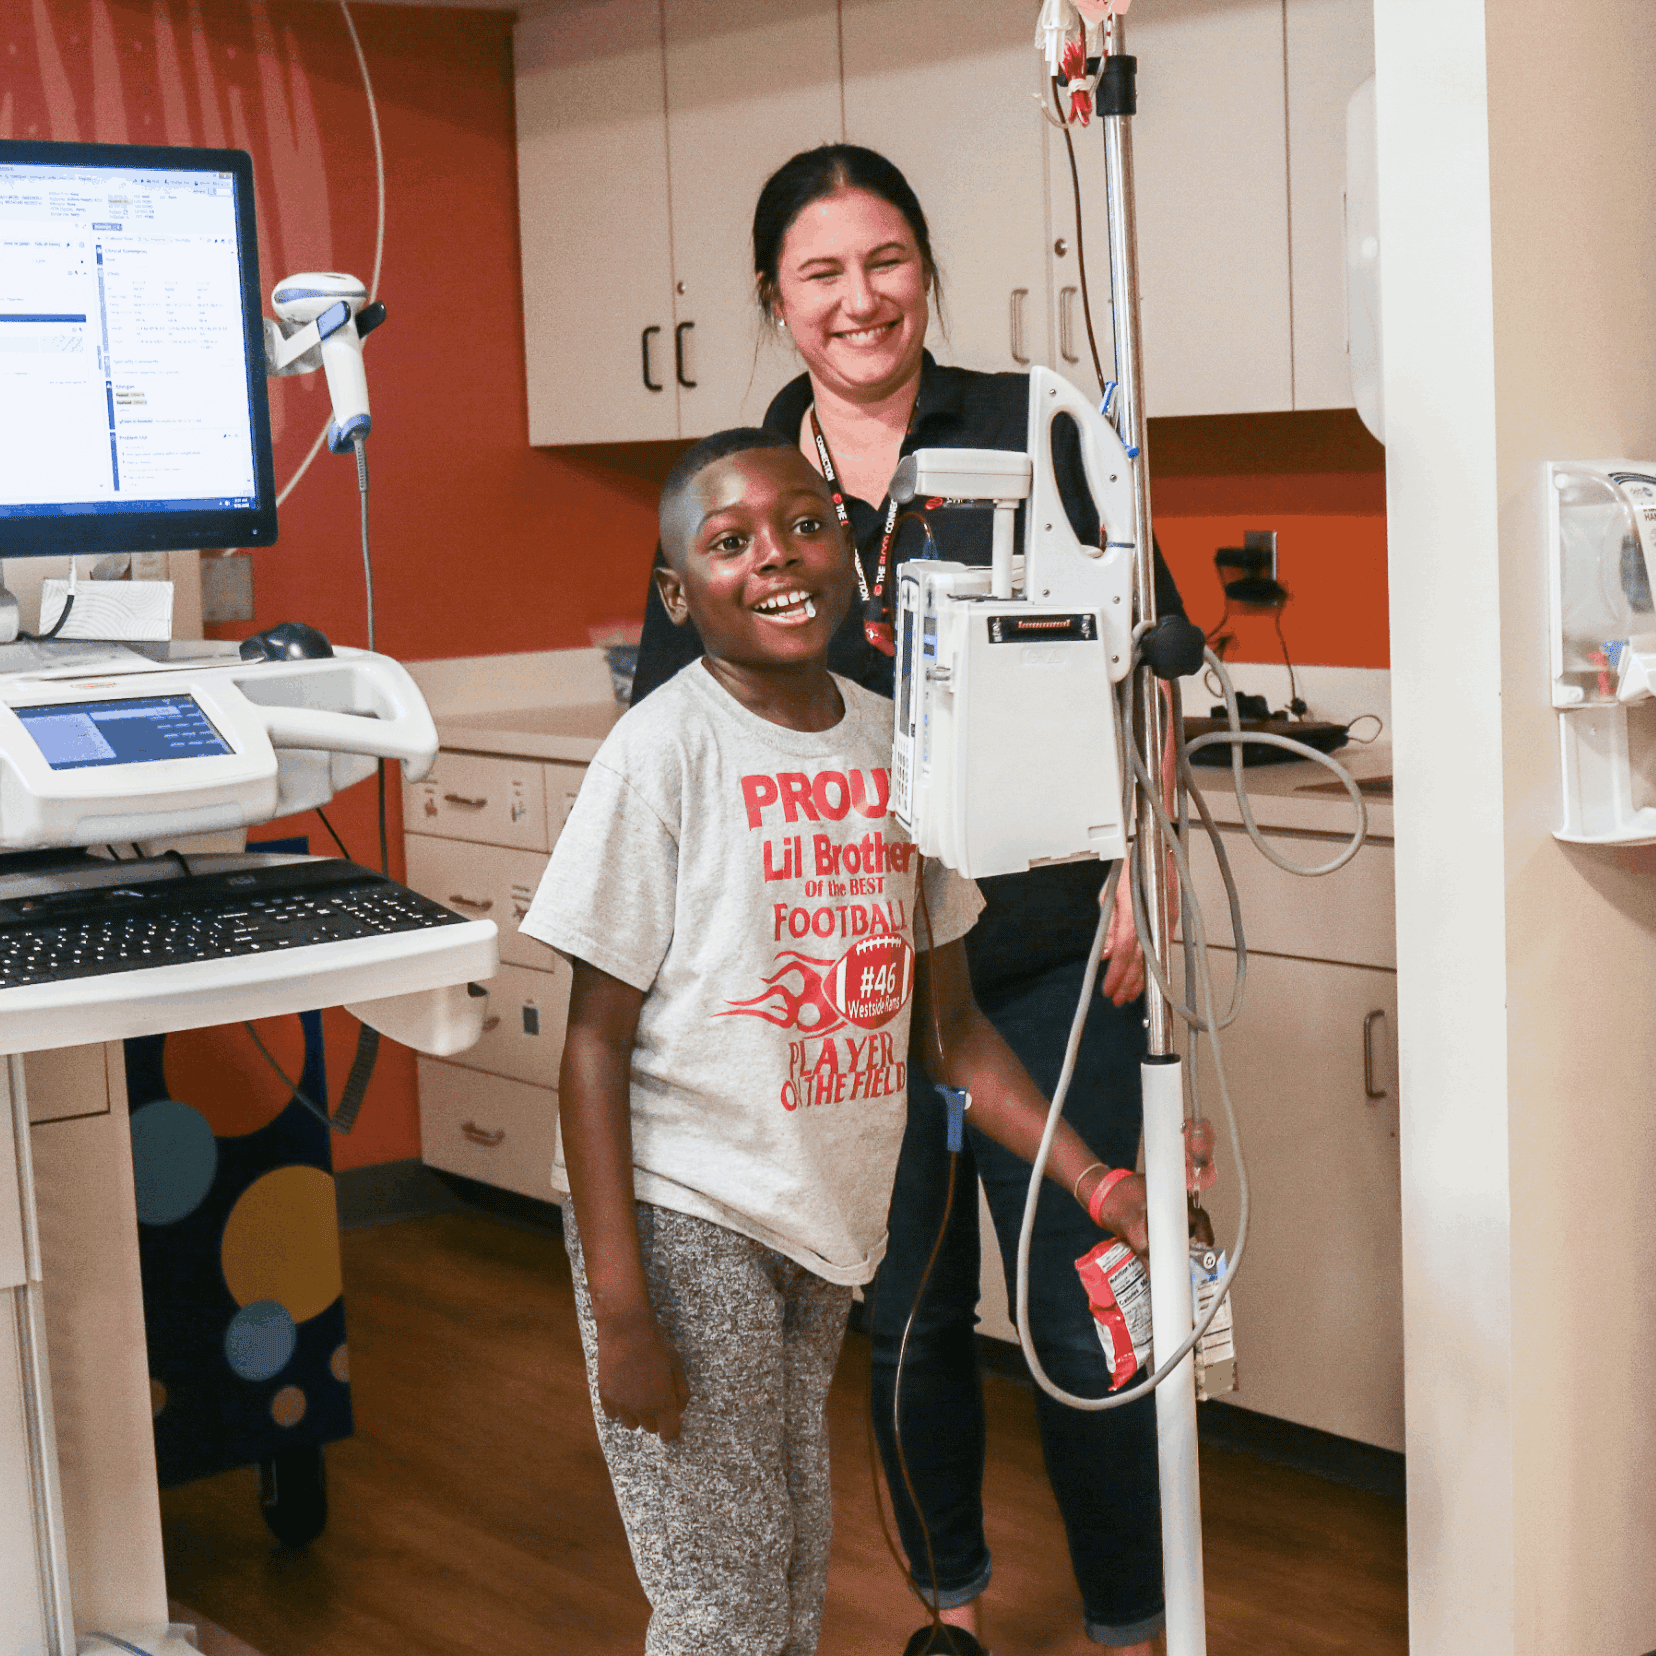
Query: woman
843 263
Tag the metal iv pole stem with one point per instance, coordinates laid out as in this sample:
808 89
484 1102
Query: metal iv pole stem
1164 1163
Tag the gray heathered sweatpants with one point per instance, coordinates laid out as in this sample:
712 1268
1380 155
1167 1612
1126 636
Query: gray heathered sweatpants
730 1523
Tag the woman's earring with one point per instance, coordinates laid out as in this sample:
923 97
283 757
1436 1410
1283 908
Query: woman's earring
782 323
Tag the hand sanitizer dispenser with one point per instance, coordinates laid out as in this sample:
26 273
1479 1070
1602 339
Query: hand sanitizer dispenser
1601 548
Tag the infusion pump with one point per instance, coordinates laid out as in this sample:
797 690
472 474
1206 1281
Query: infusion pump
1006 752
112 743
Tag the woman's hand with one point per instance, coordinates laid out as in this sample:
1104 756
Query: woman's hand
1123 1211
640 1378
1124 974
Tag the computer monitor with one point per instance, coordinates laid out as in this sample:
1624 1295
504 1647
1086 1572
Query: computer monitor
133 408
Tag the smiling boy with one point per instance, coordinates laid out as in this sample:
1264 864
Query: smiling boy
749 928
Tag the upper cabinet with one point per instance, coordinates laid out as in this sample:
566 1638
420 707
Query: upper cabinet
947 90
1330 53
749 83
645 130
1210 157
592 189
647 127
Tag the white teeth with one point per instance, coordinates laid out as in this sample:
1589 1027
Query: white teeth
786 600
810 610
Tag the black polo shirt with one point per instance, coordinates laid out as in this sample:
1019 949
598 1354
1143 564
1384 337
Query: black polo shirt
1045 917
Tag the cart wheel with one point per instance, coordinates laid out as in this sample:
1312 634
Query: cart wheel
293 1494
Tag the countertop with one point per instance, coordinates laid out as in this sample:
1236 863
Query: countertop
1306 797
549 704
573 732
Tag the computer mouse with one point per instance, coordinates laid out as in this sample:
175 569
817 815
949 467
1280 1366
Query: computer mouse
286 641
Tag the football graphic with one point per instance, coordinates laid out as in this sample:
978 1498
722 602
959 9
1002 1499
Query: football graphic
872 981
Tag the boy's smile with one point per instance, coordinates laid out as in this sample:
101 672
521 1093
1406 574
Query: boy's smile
760 564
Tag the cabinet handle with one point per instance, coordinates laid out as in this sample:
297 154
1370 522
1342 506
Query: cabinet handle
470 804
678 354
472 903
1018 297
478 1135
644 348
490 1023
1368 1057
1066 323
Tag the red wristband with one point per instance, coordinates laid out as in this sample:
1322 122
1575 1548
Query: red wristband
1102 1189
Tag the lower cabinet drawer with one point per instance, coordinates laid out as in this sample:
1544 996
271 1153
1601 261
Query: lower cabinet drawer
482 882
523 1024
68 1082
487 1127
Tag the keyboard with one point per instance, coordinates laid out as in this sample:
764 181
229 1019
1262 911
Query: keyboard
54 936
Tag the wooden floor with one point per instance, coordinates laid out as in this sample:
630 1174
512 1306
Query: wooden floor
471 1513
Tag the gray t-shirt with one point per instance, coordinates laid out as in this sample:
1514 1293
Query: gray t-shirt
751 880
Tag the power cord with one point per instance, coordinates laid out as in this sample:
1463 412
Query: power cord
344 1119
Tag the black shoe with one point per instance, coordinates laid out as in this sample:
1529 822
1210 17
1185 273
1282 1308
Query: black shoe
947 1641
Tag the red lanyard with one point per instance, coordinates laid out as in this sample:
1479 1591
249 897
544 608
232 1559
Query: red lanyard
877 628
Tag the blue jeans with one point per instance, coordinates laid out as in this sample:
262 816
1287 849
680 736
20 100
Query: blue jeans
1102 1467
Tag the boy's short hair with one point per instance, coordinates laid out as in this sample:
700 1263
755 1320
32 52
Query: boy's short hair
693 462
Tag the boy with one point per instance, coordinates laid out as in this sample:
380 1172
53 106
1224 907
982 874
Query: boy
740 910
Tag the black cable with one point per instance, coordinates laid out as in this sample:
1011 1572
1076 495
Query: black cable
939 1626
1080 243
356 1083
121 1644
361 446
333 835
1295 705
51 632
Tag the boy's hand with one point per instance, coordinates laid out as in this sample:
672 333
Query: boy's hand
640 1378
1123 1211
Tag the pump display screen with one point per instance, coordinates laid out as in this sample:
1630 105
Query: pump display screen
76 735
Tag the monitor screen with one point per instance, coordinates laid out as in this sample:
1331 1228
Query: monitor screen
76 735
133 406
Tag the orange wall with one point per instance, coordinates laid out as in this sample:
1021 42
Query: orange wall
483 544
1319 480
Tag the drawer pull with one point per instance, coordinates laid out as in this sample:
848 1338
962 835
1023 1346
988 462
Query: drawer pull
1017 327
490 1023
1066 324
1368 1057
470 804
489 1141
472 902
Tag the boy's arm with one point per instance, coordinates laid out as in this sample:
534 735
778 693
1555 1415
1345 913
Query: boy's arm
1006 1104
640 1379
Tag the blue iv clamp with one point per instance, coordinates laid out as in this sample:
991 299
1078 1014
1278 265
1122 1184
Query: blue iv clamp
957 1101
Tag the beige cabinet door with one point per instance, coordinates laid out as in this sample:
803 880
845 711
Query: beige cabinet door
1330 54
748 85
947 91
1319 1299
594 222
1210 150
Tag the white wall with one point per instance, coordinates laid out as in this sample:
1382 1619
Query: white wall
1520 323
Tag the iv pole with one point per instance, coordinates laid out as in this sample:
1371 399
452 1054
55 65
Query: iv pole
1164 1155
